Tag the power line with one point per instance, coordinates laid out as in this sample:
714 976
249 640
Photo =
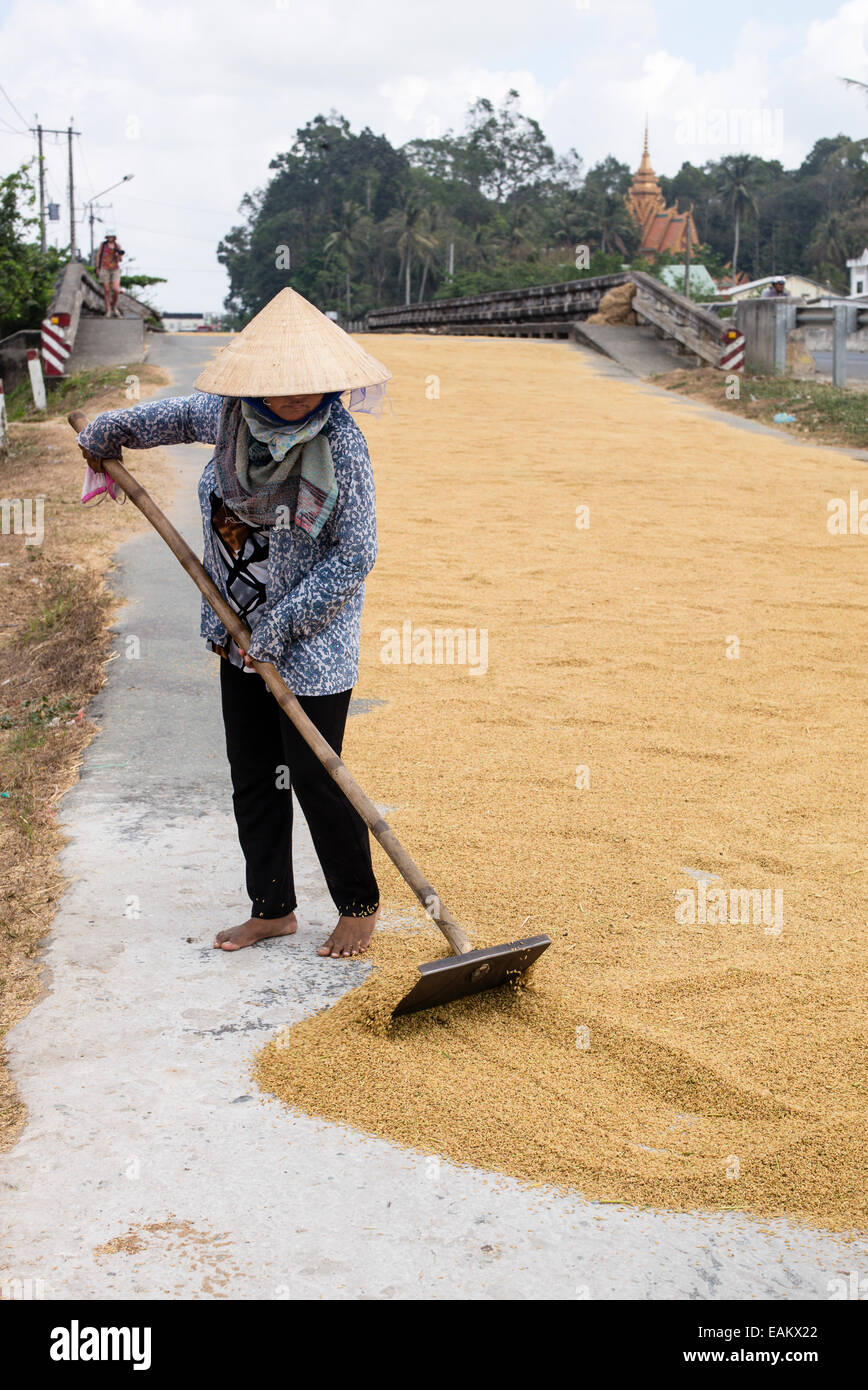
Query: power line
14 108
39 131
175 236
181 269
181 207
90 182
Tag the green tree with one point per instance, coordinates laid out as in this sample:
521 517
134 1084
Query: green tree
345 217
828 250
505 150
344 241
737 194
604 215
286 224
141 282
27 274
409 226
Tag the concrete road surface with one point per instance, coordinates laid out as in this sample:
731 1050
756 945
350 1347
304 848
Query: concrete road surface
149 1167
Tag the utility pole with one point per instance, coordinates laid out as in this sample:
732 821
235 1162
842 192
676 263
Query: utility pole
41 188
69 132
94 209
687 255
94 206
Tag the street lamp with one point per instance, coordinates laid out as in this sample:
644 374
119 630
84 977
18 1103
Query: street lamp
92 201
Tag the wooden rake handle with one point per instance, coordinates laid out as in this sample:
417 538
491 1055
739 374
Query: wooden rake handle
380 828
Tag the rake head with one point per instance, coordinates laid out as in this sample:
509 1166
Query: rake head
453 977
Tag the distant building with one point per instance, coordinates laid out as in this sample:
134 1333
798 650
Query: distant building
726 281
185 323
662 228
700 279
858 269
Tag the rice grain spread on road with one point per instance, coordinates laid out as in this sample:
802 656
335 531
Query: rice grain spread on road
676 689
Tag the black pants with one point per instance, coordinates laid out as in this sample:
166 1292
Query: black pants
266 752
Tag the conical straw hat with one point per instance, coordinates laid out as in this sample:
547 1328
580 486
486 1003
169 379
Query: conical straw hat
290 349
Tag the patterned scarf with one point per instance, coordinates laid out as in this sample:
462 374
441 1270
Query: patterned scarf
265 470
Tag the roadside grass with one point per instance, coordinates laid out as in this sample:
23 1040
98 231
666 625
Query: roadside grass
825 413
55 614
53 664
60 607
71 393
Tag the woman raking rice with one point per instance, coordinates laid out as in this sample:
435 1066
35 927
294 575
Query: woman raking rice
289 520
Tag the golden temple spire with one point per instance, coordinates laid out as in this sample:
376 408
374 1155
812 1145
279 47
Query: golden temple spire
662 228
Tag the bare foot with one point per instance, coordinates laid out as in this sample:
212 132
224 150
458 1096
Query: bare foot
255 929
350 937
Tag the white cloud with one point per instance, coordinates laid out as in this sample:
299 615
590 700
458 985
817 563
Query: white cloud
425 107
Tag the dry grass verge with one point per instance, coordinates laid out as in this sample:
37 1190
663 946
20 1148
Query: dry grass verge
821 412
54 637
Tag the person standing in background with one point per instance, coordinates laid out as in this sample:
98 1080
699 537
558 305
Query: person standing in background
776 290
108 269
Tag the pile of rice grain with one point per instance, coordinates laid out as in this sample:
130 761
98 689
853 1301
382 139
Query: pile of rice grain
616 306
650 1061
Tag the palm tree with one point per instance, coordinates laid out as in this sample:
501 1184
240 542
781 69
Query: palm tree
435 225
524 233
482 246
344 241
614 223
737 195
605 215
567 220
409 226
828 249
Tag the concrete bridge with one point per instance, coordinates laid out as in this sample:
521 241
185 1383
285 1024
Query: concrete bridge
669 329
77 335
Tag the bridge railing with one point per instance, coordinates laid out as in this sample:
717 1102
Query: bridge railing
501 310
695 328
767 324
549 310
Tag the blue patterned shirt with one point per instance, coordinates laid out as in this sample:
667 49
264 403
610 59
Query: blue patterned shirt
310 625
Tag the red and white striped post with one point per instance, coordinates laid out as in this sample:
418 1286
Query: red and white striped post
37 385
732 352
55 348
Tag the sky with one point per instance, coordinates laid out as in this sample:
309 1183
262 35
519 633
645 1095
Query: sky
195 97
